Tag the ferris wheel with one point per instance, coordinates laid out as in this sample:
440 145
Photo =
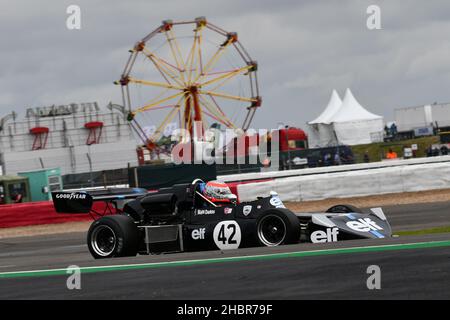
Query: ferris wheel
188 72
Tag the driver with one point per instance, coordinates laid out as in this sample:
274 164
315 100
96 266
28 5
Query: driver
218 193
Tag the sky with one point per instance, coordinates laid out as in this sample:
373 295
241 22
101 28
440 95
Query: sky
304 49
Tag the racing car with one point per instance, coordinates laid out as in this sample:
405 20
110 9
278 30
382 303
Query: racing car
207 216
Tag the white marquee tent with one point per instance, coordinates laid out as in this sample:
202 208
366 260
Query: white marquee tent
354 125
348 124
322 132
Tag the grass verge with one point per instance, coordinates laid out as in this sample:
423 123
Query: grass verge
443 229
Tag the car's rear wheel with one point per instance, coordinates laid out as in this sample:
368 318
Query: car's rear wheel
344 208
276 227
113 236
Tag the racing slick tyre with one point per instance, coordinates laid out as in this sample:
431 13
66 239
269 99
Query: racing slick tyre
344 208
276 227
113 236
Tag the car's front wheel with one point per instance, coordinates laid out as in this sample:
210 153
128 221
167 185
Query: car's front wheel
344 208
113 236
276 227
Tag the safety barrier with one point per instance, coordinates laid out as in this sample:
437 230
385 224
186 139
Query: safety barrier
332 169
38 213
381 180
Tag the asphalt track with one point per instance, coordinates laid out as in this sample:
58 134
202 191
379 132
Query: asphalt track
411 267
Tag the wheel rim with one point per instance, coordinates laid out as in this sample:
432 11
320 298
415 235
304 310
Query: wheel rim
103 241
271 230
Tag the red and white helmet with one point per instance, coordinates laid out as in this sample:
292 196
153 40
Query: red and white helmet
218 192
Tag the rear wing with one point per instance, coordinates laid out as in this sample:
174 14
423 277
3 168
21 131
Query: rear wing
82 201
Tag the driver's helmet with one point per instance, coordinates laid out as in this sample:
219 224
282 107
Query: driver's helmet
218 192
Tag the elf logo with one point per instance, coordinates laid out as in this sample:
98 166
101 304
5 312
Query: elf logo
363 225
330 235
198 234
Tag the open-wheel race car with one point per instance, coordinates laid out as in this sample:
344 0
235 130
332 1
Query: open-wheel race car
185 217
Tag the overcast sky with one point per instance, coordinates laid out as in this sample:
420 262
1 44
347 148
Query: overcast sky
304 50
